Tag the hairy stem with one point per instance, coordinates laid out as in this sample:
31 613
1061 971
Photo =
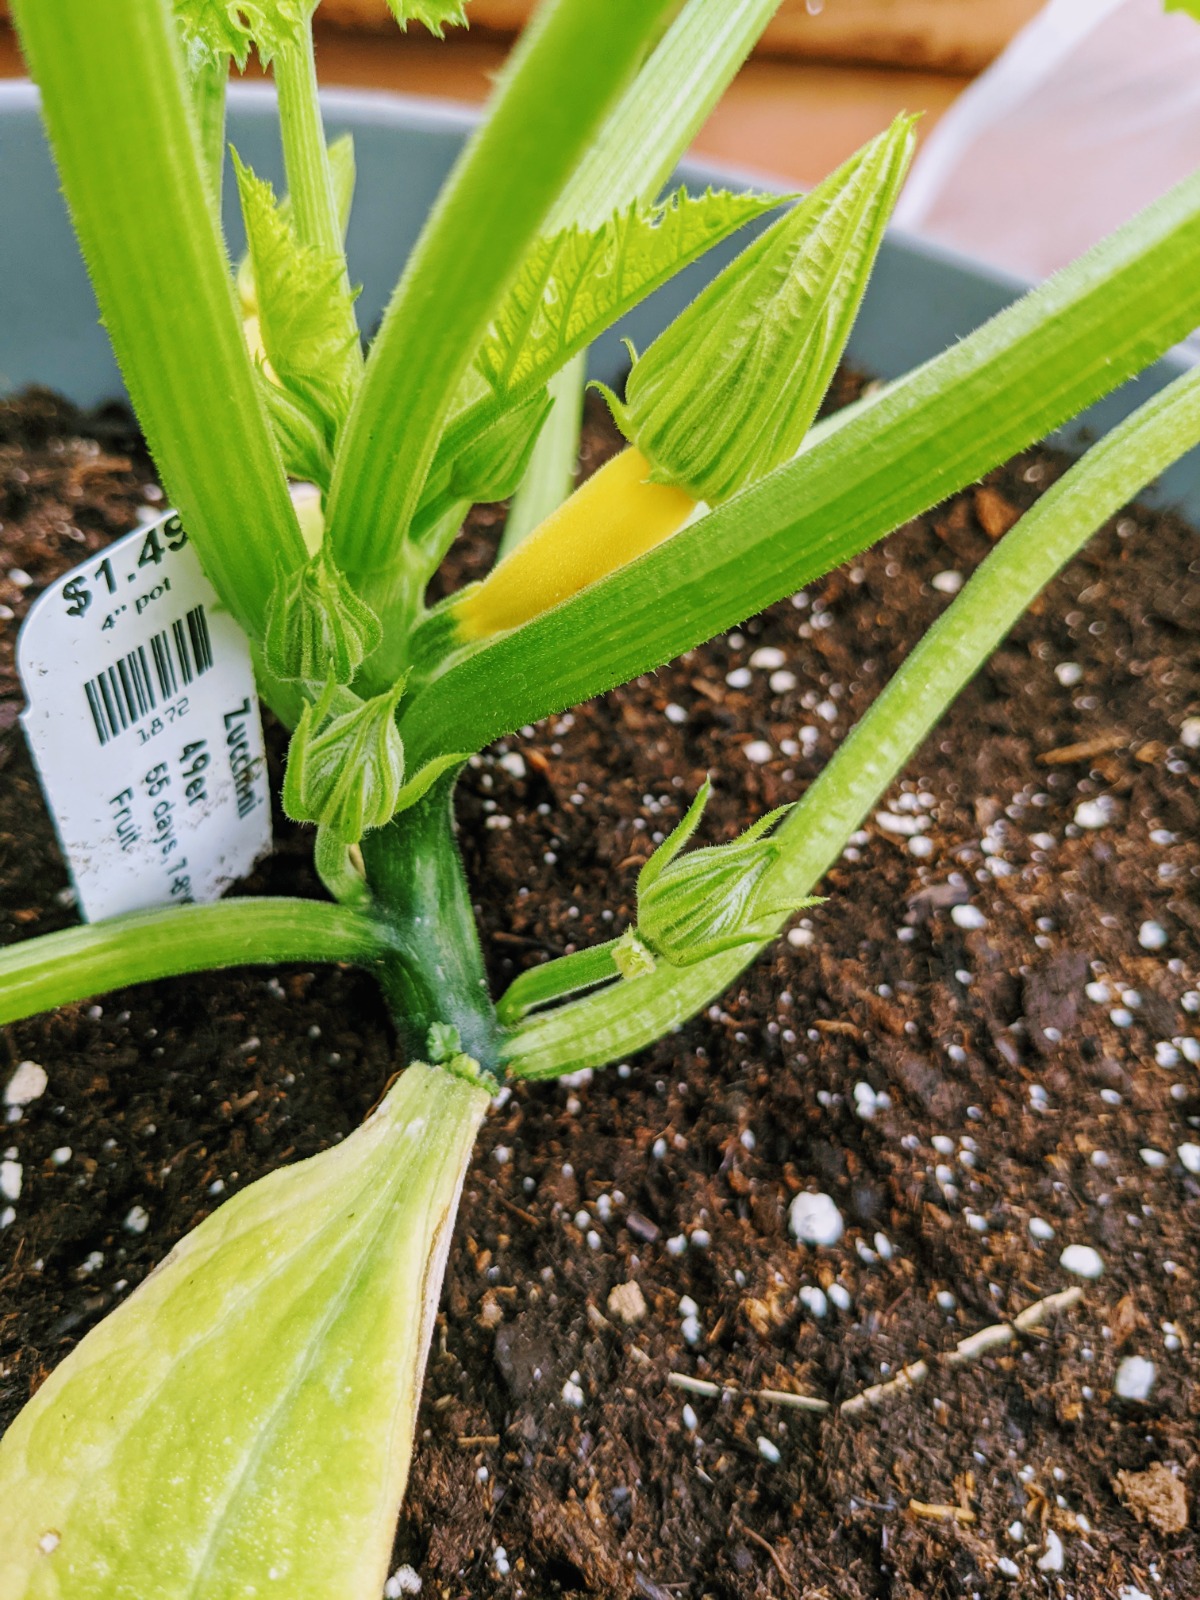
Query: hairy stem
209 82
563 78
81 962
306 160
115 99
628 1015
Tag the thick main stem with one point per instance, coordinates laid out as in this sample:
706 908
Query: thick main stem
436 975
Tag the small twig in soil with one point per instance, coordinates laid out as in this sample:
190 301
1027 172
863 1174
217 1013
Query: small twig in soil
971 1348
517 1211
879 1393
763 1544
1065 754
714 1391
1005 1333
468 1441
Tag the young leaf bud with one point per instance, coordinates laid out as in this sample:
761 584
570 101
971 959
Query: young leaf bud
316 625
729 390
492 467
345 766
708 900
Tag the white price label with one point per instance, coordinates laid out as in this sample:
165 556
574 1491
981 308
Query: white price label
143 721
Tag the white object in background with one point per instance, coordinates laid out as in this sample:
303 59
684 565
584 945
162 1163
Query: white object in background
1092 112
144 725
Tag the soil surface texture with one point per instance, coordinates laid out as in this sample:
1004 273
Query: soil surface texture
982 1049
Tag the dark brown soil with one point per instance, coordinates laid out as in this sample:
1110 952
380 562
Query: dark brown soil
1011 1093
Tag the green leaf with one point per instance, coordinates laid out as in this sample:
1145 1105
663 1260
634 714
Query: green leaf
304 308
1028 370
243 1423
436 15
343 174
317 627
729 390
345 766
579 281
213 29
1192 7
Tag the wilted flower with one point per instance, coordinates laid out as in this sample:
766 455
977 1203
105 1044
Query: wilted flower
243 1423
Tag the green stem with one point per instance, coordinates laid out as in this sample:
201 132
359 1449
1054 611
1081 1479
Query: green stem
582 969
305 155
564 76
1030 369
337 871
209 82
116 103
550 477
436 975
316 214
81 962
661 112
628 1015
964 637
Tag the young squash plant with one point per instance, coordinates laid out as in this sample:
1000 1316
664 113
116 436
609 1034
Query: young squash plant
243 1423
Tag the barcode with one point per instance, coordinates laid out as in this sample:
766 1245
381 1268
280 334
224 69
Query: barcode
132 687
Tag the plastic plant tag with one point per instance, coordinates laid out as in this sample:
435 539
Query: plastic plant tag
143 722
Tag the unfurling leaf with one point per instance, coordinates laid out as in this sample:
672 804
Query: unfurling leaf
300 434
729 390
344 172
305 311
695 906
345 766
317 627
243 1423
213 29
436 15
577 282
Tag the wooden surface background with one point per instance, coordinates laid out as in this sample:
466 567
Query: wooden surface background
957 36
819 86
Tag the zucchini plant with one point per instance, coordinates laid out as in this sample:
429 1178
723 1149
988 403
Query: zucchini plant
243 1423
